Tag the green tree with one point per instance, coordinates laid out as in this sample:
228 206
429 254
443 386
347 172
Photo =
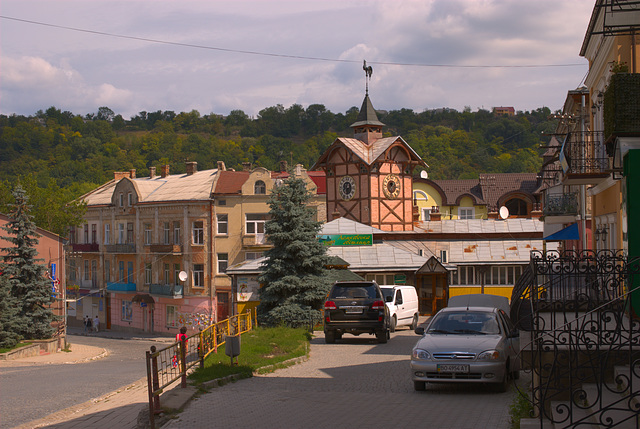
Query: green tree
25 275
9 324
294 281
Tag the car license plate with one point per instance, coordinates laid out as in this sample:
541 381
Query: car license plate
352 310
453 368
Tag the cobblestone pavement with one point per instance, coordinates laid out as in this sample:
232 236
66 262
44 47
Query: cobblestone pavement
354 383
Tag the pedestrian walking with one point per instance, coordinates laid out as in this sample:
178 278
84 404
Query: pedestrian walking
96 323
89 324
85 322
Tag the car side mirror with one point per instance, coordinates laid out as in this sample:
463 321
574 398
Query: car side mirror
419 330
388 299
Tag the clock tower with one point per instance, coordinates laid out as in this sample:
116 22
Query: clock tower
370 177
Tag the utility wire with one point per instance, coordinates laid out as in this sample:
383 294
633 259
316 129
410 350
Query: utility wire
269 54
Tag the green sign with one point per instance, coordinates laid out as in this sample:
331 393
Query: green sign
399 279
346 239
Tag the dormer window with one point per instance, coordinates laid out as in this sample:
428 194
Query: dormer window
130 199
121 200
260 188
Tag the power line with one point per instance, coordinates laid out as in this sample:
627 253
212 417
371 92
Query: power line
270 54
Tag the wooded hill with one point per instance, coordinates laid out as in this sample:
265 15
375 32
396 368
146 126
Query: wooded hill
71 154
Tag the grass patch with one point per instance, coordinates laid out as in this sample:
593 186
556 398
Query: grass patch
259 348
521 408
17 346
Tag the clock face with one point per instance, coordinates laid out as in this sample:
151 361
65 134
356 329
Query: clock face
391 186
347 188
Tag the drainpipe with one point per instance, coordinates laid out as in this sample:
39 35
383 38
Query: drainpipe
583 188
213 247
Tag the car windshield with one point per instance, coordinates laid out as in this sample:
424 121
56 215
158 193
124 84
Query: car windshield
465 322
356 290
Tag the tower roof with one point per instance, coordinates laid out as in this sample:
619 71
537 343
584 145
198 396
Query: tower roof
367 115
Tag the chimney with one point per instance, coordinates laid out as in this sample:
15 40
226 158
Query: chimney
117 175
164 171
152 172
221 166
283 166
435 214
298 170
132 173
192 167
246 166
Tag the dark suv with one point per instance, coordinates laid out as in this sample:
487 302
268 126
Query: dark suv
355 308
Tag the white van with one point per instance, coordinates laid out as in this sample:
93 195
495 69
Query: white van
402 301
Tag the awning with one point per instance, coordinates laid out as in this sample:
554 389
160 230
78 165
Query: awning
569 233
143 297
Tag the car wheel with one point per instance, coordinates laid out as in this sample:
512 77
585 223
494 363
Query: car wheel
414 323
329 337
504 384
419 386
392 325
515 375
382 336
338 335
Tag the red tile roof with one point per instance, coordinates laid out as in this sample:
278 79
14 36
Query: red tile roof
230 182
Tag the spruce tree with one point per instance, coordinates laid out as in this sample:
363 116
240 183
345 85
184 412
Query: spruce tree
9 325
293 281
28 286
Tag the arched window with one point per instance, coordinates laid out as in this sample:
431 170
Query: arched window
517 207
259 188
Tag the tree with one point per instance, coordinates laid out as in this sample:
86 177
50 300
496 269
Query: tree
9 325
293 281
25 276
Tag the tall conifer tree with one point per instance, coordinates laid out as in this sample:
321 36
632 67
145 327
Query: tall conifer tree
294 284
25 275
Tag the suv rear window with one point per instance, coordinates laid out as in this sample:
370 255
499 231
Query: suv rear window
355 290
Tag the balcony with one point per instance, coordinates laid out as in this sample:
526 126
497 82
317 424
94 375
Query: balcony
120 248
87 247
121 287
173 291
170 249
622 106
583 159
561 204
254 240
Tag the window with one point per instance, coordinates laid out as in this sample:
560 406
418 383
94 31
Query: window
94 274
249 256
466 213
72 235
147 233
86 233
223 224
107 233
121 200
172 315
72 270
222 202
255 223
443 256
198 275
504 275
259 188
167 233
121 233
94 233
130 233
127 311
147 274
198 232
176 232
517 207
121 272
86 270
129 272
426 214
107 270
382 279
130 199
176 273
223 262
167 274
464 276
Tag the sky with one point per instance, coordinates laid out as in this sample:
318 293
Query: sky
218 56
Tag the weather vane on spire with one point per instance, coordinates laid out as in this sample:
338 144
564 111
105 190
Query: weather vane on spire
368 71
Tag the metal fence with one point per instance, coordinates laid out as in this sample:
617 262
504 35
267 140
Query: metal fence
165 366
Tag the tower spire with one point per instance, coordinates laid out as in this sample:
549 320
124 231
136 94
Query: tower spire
368 71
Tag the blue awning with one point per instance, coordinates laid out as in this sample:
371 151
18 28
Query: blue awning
569 233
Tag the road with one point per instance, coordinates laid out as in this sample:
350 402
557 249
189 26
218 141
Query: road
32 392
355 383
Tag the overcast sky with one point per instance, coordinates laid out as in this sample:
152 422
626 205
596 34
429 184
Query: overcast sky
248 55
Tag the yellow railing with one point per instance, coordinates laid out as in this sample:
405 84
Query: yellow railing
167 365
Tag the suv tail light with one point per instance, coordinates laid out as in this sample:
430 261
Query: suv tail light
377 305
330 305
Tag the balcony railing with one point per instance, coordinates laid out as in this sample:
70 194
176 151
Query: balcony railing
121 248
583 158
622 106
174 249
85 247
561 204
121 287
174 291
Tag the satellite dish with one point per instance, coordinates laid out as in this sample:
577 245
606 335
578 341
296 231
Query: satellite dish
182 276
424 174
504 212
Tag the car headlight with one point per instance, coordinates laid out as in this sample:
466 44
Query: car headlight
489 355
419 354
